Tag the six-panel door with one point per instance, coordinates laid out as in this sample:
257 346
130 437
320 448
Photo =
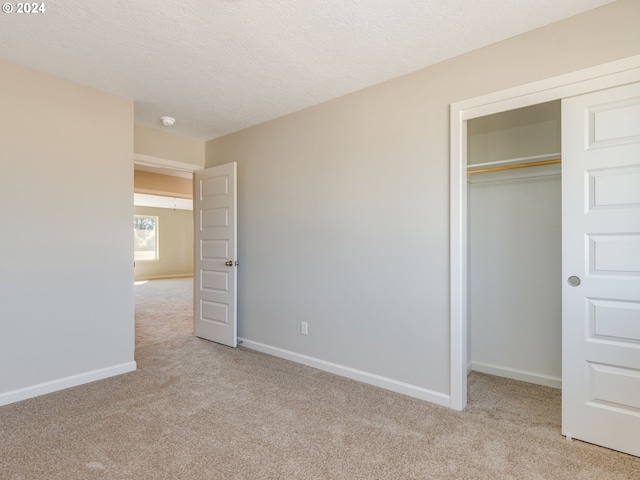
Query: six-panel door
215 254
601 247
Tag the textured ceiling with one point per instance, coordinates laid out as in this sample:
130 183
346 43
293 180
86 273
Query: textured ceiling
219 66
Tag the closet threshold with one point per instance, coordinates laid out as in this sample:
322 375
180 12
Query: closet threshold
535 161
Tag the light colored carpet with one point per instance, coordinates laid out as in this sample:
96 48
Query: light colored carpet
198 410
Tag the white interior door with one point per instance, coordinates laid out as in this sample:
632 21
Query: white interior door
601 268
214 206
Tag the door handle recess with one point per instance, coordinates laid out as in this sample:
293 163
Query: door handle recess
573 281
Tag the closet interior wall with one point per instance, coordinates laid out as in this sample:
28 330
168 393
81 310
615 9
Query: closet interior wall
514 238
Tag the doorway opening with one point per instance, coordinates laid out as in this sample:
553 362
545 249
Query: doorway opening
163 238
515 244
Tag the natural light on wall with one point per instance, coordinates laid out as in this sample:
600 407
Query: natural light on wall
145 234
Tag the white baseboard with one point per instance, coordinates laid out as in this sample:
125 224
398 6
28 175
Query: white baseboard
66 382
515 374
359 375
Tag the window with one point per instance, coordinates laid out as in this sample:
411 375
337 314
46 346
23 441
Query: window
145 236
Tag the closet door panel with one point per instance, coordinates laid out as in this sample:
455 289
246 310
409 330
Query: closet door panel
601 247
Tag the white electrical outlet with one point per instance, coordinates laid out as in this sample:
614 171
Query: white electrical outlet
304 328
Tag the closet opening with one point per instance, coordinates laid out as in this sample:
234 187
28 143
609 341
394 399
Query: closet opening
514 244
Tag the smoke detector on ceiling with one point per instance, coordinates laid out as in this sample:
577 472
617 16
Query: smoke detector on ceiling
167 121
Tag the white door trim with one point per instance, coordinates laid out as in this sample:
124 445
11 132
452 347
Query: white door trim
150 161
575 83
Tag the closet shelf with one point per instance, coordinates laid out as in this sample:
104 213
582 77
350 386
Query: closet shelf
525 162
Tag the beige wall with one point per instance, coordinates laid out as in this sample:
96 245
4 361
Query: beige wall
176 244
168 146
344 207
166 185
66 314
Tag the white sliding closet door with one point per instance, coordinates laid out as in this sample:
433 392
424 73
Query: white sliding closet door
601 268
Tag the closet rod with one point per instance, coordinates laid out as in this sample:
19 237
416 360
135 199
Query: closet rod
517 165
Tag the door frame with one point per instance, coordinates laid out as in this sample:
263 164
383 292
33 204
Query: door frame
600 77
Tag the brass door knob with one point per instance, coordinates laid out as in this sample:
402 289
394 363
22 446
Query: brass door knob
229 263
